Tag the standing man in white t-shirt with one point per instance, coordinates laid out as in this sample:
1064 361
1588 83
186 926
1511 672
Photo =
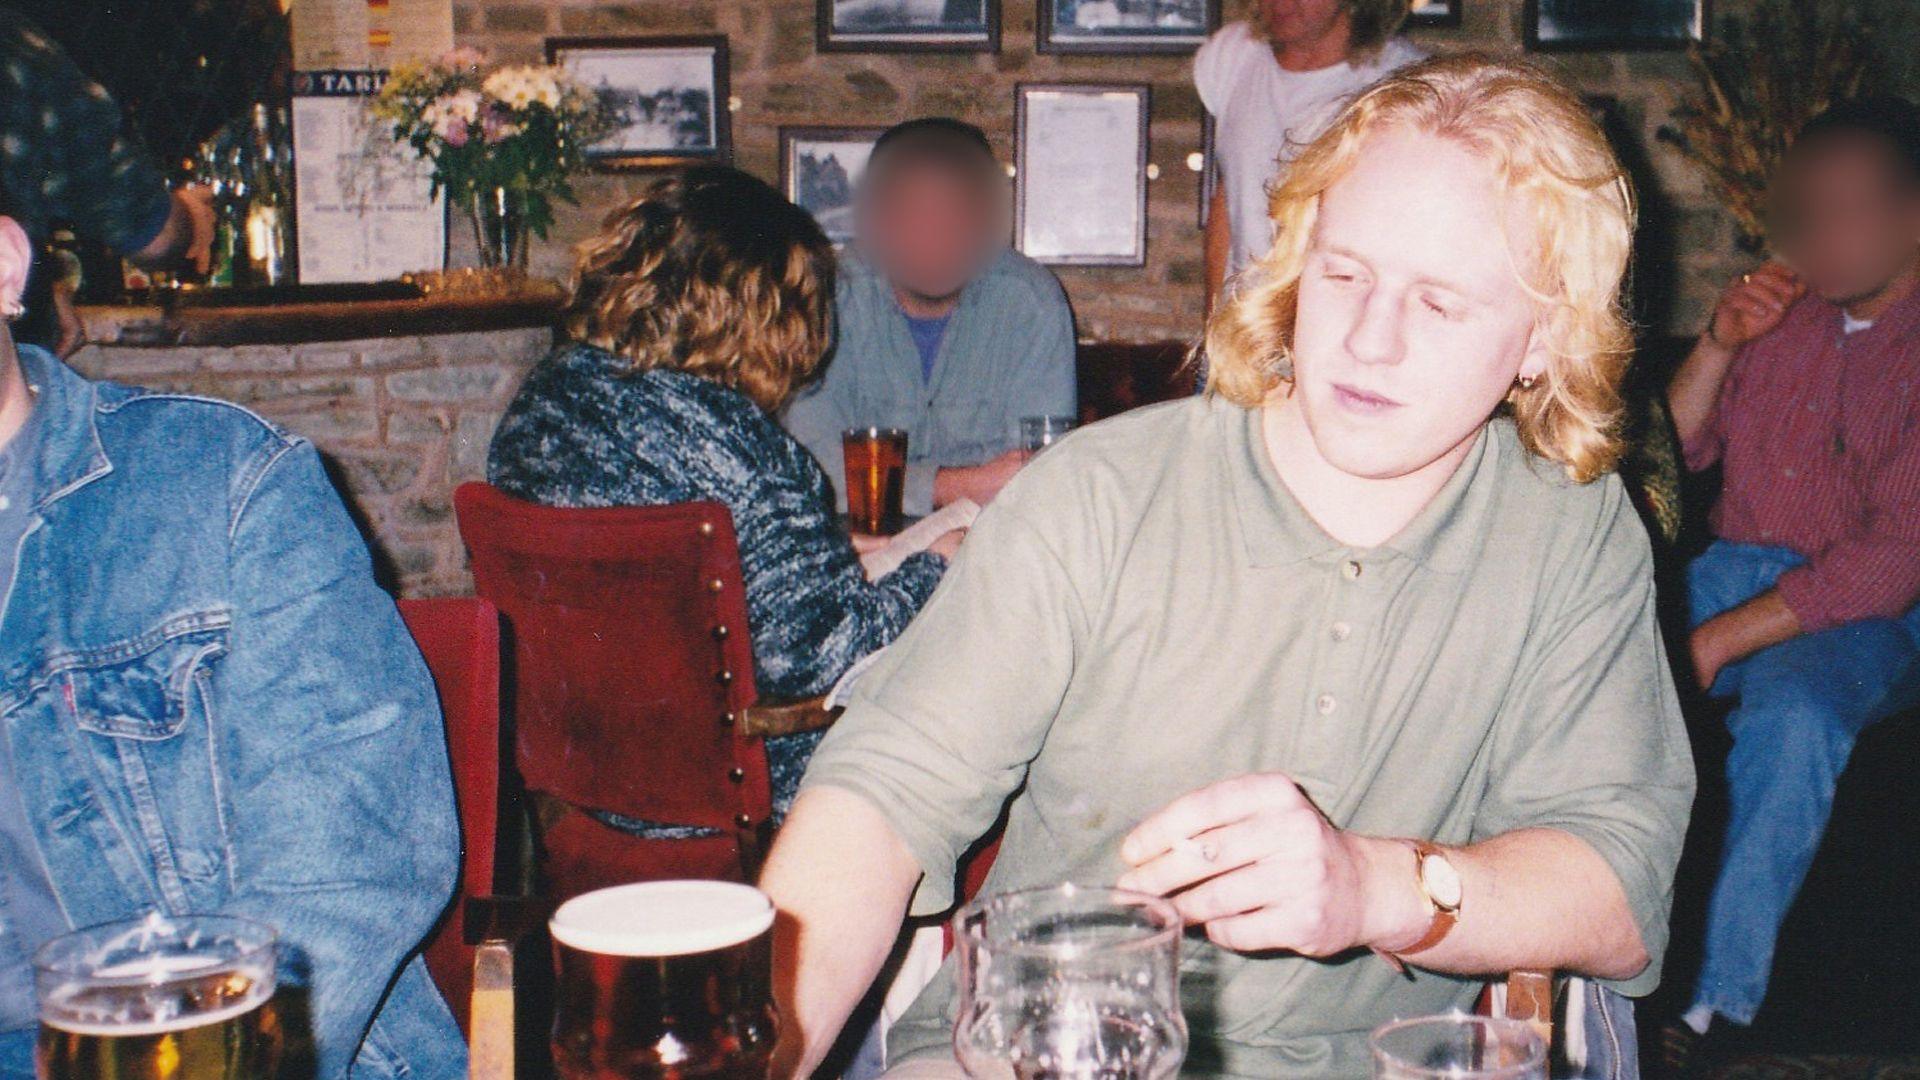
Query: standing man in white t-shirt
1272 82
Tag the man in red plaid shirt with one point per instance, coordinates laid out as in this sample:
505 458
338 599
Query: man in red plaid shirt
1805 390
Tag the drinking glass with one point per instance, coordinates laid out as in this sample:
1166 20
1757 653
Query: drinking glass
1069 982
876 462
664 980
1457 1047
160 998
1039 432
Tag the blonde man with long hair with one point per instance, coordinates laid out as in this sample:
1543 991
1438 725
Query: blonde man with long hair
1357 652
1271 81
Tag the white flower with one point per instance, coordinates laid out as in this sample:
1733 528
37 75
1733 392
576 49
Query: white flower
519 87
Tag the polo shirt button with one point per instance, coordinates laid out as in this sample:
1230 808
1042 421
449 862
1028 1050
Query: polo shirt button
5 503
1325 703
1350 570
1341 631
1788 473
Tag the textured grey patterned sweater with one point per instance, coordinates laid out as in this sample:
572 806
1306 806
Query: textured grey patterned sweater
582 431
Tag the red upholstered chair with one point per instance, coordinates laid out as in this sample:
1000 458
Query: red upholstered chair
460 638
631 669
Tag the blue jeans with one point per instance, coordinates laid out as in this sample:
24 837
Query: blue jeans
1801 705
16 1054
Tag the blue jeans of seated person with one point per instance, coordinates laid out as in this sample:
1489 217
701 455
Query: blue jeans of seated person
16 1054
1801 704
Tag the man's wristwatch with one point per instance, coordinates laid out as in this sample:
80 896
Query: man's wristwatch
1440 884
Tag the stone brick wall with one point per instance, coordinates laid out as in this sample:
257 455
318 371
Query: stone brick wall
401 422
778 78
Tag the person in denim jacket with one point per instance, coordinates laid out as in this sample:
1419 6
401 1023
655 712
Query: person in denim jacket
208 706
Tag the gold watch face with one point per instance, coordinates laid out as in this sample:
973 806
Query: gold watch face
1442 881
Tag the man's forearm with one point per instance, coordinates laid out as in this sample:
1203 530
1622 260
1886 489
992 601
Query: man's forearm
1739 632
840 877
1694 392
172 239
1533 898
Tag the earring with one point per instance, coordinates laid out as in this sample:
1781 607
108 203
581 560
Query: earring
1526 382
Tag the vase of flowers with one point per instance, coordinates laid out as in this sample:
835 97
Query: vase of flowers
504 144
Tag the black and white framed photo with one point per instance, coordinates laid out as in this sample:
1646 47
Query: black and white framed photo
1594 25
1126 26
820 168
672 89
908 25
1080 173
1435 13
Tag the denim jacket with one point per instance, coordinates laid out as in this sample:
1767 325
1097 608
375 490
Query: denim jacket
212 708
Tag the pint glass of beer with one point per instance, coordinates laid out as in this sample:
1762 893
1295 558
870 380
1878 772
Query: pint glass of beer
876 461
158 999
664 980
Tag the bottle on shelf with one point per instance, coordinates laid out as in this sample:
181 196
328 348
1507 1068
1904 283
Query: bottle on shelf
269 215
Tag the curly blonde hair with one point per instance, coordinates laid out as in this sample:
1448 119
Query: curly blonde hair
1374 21
1558 170
713 273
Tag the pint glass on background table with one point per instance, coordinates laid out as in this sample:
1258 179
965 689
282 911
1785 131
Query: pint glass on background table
159 998
664 979
876 461
1039 432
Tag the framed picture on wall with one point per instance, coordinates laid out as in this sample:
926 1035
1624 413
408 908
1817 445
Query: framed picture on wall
1435 13
1594 25
908 25
1080 173
1126 26
820 167
672 89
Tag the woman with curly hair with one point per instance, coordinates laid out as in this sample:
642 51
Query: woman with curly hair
696 312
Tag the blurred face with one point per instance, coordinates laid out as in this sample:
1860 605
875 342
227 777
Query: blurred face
1844 217
1413 321
928 229
1292 22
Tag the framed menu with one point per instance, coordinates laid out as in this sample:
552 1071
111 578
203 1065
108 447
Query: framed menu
1080 173
362 201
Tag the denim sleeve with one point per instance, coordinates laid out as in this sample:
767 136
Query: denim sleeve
96 176
332 751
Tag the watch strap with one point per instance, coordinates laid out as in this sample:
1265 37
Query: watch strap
1444 919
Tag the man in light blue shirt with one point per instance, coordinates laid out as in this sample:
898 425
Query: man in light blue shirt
943 331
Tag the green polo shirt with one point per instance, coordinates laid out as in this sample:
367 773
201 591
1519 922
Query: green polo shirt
1146 610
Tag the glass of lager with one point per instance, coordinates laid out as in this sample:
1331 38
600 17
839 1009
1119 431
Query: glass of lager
664 980
158 999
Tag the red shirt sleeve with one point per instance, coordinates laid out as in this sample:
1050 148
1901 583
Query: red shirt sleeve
1704 449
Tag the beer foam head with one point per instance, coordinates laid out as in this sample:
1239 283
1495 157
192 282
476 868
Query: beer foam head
663 918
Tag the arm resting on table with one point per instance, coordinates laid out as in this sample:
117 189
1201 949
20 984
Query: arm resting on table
840 878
